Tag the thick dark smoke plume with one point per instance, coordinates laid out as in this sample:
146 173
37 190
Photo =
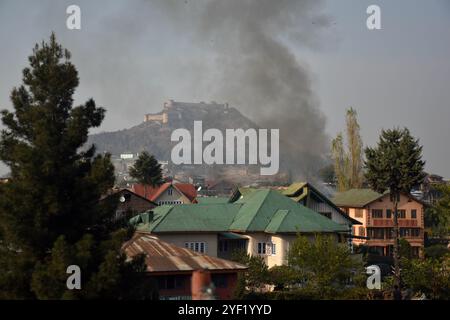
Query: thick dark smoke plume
255 70
133 55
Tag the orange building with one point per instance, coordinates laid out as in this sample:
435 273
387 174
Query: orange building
375 212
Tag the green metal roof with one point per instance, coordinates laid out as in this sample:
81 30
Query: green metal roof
193 217
357 198
212 200
261 210
269 208
293 188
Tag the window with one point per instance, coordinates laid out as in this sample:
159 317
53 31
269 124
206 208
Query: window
220 280
375 233
413 214
268 248
262 248
389 233
388 213
410 232
358 213
377 213
196 246
170 191
361 231
171 282
223 246
401 214
168 202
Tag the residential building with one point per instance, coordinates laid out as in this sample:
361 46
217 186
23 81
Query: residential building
428 190
168 193
375 212
127 203
309 196
264 223
172 266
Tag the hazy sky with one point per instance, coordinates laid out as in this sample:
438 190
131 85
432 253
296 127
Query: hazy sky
134 55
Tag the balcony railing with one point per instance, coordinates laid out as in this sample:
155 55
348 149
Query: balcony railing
390 223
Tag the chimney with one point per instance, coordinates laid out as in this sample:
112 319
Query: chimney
147 216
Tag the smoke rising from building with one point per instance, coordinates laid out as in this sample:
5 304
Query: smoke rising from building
255 70
132 56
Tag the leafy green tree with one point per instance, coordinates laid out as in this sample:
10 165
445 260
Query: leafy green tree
50 214
348 163
428 276
283 276
437 252
324 265
437 217
147 171
257 274
395 165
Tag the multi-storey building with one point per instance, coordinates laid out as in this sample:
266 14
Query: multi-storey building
375 212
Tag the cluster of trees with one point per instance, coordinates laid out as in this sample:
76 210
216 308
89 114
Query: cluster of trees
318 269
437 217
427 277
50 213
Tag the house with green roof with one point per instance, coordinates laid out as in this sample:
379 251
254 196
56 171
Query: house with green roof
375 213
307 195
264 223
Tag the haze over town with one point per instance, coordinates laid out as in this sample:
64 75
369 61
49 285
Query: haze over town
397 76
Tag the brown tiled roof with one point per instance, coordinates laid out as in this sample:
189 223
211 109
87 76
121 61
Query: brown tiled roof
165 257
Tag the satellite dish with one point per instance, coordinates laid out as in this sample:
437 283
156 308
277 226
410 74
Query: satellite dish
122 199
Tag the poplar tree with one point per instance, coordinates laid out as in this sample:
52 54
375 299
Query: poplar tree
50 213
348 162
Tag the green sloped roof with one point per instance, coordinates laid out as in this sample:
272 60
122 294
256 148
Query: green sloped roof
261 210
276 221
193 217
270 209
212 200
293 188
357 198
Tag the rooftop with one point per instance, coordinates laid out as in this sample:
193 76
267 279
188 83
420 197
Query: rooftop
263 210
165 257
357 198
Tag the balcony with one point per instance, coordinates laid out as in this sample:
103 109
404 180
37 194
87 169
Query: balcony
390 223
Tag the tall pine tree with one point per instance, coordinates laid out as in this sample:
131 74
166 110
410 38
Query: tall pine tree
147 171
396 165
50 214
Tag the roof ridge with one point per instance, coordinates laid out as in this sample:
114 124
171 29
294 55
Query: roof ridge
163 217
267 191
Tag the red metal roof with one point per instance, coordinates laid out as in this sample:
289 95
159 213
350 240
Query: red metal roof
165 257
153 193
